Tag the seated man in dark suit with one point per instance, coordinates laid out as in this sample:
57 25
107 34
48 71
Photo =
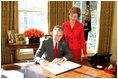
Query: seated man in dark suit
54 49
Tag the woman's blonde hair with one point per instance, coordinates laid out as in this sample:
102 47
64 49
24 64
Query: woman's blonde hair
75 10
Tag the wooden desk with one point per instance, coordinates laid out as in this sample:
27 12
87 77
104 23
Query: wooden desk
86 71
22 46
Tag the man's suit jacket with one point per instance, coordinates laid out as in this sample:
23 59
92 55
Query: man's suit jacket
46 50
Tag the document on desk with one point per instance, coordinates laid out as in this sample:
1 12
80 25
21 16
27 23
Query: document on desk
62 67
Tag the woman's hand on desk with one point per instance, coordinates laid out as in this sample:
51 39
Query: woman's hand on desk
44 62
85 56
57 60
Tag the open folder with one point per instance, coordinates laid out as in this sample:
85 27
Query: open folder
62 67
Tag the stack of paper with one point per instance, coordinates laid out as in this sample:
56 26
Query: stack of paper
12 74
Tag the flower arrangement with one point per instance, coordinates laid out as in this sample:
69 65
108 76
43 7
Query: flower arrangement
34 33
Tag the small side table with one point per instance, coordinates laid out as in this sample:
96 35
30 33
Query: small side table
22 46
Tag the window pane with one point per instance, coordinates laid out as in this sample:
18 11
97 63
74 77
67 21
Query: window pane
83 5
31 5
77 3
83 15
93 19
93 34
91 44
32 14
80 4
93 5
31 20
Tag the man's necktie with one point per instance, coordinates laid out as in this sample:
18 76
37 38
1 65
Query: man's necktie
55 51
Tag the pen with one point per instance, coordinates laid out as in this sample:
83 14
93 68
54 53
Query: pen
59 64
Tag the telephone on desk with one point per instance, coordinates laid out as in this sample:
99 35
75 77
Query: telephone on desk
100 57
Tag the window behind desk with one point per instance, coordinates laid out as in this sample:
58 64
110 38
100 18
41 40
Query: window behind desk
92 43
32 14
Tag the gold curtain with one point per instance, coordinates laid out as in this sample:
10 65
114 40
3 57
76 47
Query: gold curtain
9 21
58 13
106 18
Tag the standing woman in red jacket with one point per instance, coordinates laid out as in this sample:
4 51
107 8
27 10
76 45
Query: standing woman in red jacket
74 33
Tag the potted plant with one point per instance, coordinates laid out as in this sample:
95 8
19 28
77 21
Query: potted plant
34 35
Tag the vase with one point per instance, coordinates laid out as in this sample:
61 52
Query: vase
34 40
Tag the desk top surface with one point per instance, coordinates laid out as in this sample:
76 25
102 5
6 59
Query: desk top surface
87 70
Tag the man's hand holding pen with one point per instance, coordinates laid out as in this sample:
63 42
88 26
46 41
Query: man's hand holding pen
44 62
57 60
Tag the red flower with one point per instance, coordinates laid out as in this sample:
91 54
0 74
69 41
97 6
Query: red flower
33 33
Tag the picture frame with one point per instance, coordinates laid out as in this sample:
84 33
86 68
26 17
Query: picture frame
20 38
11 36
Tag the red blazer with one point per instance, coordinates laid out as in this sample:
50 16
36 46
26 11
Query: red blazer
75 36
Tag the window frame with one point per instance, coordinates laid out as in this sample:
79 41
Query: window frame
46 24
98 24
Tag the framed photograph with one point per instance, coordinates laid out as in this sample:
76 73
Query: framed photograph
11 36
20 38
